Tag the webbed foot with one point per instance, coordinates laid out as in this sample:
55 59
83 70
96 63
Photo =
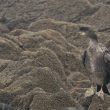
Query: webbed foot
101 94
90 91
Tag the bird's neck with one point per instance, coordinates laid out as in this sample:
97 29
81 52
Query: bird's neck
93 43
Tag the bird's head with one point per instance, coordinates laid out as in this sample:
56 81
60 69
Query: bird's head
89 32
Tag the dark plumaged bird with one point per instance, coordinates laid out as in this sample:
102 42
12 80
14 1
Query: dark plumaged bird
96 59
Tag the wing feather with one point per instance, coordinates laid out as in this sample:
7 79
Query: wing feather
84 58
107 65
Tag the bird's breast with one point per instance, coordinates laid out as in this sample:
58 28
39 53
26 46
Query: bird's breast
97 63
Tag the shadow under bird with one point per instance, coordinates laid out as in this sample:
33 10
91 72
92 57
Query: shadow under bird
96 60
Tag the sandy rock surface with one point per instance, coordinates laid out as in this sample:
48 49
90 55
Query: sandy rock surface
40 53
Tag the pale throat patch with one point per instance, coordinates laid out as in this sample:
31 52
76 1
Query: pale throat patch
82 33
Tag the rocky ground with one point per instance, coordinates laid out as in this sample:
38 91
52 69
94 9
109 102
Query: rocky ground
40 53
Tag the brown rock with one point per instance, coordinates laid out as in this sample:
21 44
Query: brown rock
70 31
21 13
32 40
99 104
46 58
39 77
38 99
100 19
6 107
100 1
9 49
3 28
52 101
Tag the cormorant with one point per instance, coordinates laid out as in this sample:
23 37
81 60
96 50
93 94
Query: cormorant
96 59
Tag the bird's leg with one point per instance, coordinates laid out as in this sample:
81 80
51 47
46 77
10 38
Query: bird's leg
98 88
105 89
100 93
90 91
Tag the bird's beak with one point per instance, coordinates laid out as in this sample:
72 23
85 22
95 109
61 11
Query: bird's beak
82 33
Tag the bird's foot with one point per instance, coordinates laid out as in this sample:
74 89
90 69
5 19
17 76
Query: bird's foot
100 94
90 91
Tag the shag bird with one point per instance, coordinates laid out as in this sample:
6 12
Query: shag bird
96 59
